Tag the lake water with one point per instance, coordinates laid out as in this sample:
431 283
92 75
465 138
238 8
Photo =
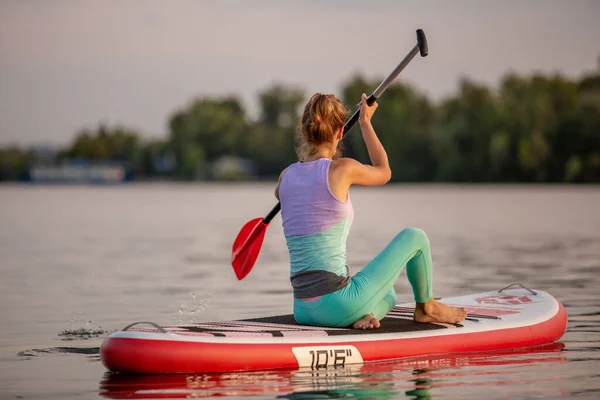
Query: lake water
99 258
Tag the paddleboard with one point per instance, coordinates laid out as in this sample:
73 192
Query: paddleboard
513 318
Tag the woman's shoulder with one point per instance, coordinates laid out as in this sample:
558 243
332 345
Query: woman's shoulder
345 163
341 169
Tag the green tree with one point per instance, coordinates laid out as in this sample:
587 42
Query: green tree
280 106
464 130
270 141
589 92
404 123
205 131
116 144
14 163
543 117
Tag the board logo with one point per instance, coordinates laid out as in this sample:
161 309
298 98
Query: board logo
504 300
317 357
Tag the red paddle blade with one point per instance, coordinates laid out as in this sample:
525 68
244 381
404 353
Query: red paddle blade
247 246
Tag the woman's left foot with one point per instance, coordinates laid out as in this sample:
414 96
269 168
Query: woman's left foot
434 311
367 322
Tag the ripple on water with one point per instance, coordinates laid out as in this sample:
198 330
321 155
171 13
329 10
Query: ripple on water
93 351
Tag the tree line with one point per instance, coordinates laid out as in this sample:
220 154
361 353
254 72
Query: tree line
537 128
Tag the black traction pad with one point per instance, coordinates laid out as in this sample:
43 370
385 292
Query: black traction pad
397 321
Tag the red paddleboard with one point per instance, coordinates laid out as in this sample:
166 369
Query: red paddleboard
500 320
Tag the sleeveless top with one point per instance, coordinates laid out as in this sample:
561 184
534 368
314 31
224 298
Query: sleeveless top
315 224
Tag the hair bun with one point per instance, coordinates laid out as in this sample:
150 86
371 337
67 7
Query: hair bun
323 117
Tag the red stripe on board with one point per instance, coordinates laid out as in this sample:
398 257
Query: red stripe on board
164 356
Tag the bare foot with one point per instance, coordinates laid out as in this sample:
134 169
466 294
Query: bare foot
367 322
433 311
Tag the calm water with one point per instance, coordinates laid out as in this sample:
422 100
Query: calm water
98 258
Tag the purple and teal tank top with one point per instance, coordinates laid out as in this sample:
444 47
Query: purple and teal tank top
315 224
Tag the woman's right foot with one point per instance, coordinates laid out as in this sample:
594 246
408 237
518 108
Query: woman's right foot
367 322
433 311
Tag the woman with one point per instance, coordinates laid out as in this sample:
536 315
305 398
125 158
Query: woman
317 215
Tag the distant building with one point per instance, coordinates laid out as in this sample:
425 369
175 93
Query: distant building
79 172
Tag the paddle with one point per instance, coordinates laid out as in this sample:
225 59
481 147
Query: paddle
248 242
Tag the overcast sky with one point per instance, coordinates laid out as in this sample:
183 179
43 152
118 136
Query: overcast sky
66 65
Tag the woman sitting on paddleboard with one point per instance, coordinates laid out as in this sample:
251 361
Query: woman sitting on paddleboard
317 215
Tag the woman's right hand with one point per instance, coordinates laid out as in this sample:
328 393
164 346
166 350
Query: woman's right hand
366 111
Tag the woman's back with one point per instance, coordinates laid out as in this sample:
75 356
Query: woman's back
315 225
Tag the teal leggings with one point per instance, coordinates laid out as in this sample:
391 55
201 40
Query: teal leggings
372 289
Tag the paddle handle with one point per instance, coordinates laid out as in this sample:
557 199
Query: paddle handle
381 88
272 213
420 47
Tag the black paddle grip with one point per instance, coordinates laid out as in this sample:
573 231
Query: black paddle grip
422 42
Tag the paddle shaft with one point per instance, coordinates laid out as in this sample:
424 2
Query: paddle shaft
420 46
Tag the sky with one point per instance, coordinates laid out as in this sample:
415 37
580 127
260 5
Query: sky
66 65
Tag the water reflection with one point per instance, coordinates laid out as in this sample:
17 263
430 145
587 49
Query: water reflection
413 378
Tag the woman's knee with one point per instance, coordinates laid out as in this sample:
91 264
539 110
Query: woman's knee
414 234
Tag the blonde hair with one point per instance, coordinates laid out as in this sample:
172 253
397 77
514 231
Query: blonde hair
322 118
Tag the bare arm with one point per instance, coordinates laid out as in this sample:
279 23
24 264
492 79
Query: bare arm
369 175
